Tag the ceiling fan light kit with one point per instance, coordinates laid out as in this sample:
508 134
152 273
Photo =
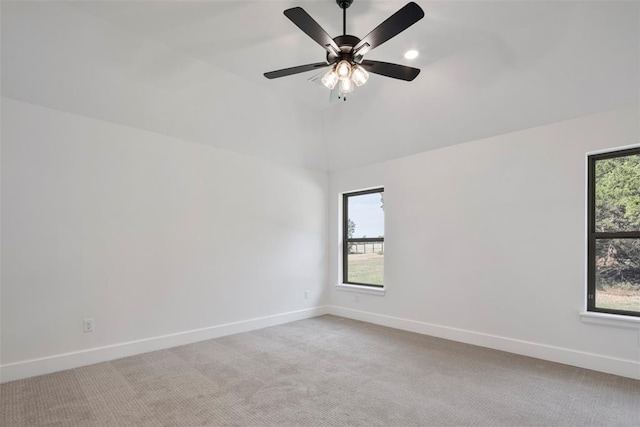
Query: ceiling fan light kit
330 79
359 75
345 53
346 86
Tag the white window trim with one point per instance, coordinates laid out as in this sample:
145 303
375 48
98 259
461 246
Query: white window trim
360 289
611 320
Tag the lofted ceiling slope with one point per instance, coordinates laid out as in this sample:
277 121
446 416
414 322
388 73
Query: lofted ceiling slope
193 69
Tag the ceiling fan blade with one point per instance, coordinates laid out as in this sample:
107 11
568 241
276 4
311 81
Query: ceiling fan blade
306 23
394 25
395 71
294 70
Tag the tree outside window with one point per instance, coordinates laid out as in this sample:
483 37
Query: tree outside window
614 232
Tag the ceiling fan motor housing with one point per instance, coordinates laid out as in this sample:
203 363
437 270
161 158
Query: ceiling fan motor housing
345 43
344 3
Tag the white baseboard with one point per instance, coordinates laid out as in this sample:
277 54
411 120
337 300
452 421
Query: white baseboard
61 362
596 362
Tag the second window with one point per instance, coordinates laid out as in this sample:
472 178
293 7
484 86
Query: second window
363 242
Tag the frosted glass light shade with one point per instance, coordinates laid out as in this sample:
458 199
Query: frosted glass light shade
359 75
330 79
343 69
346 85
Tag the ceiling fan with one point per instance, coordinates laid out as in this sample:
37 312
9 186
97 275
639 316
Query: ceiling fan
345 53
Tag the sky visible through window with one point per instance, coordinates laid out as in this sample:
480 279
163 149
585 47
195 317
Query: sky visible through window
367 214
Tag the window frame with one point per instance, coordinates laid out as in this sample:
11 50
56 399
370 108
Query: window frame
346 241
593 236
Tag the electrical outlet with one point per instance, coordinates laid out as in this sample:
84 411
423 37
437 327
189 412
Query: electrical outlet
88 325
306 294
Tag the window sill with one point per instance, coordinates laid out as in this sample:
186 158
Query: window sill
613 320
361 289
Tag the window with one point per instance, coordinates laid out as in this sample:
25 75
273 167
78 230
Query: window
613 277
363 238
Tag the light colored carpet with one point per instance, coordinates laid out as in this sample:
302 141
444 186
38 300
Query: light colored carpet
326 371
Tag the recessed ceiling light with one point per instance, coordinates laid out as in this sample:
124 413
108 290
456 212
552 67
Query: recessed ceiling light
411 54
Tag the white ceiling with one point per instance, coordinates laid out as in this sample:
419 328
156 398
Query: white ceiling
487 68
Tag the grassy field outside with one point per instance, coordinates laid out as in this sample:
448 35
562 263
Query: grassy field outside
618 298
366 268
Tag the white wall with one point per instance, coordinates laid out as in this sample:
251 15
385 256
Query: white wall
151 235
485 242
147 234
